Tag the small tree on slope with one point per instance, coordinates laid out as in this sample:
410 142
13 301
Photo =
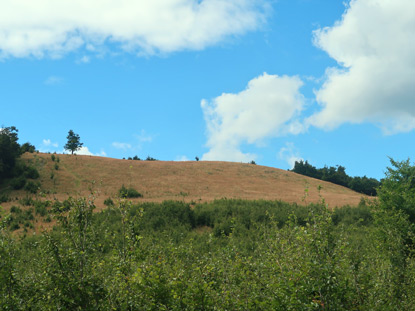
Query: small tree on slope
74 142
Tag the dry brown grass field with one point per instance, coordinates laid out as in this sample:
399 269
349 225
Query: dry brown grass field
169 180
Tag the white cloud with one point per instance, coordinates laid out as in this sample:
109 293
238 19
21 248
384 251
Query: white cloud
123 146
49 143
289 154
55 27
182 158
266 108
374 43
85 151
53 80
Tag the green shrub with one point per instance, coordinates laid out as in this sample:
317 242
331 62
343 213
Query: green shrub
31 172
150 159
53 157
15 210
130 193
18 182
32 187
4 198
109 202
41 210
27 201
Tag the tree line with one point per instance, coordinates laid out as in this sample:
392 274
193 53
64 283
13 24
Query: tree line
337 175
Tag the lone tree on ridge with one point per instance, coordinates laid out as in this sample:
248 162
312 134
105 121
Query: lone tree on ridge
74 142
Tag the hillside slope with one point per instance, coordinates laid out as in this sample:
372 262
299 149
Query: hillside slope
190 181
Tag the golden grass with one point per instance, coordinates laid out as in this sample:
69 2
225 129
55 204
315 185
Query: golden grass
189 181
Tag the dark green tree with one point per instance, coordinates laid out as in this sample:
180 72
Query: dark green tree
74 142
9 150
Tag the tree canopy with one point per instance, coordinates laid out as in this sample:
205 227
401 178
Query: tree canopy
398 188
9 150
337 175
74 142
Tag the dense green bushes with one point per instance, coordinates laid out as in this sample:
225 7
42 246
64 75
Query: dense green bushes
258 255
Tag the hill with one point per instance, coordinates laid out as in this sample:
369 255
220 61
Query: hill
76 175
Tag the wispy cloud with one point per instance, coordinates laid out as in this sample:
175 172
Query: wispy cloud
123 146
182 158
53 80
144 137
49 143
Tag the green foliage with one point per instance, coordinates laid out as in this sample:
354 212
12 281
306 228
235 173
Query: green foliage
130 192
27 147
31 172
337 175
53 157
9 150
18 182
74 143
109 202
398 188
221 255
32 187
150 159
4 198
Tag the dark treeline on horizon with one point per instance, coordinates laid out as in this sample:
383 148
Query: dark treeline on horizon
337 175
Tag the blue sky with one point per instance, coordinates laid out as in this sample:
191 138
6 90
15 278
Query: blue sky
237 80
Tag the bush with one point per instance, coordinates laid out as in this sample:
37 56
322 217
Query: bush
129 193
15 210
32 187
109 202
27 201
18 183
4 198
31 172
53 157
41 210
150 159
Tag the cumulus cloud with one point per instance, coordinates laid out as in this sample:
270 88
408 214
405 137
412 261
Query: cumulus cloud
374 44
266 108
123 146
289 154
55 27
85 151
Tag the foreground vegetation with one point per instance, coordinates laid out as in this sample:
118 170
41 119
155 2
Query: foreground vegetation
223 255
